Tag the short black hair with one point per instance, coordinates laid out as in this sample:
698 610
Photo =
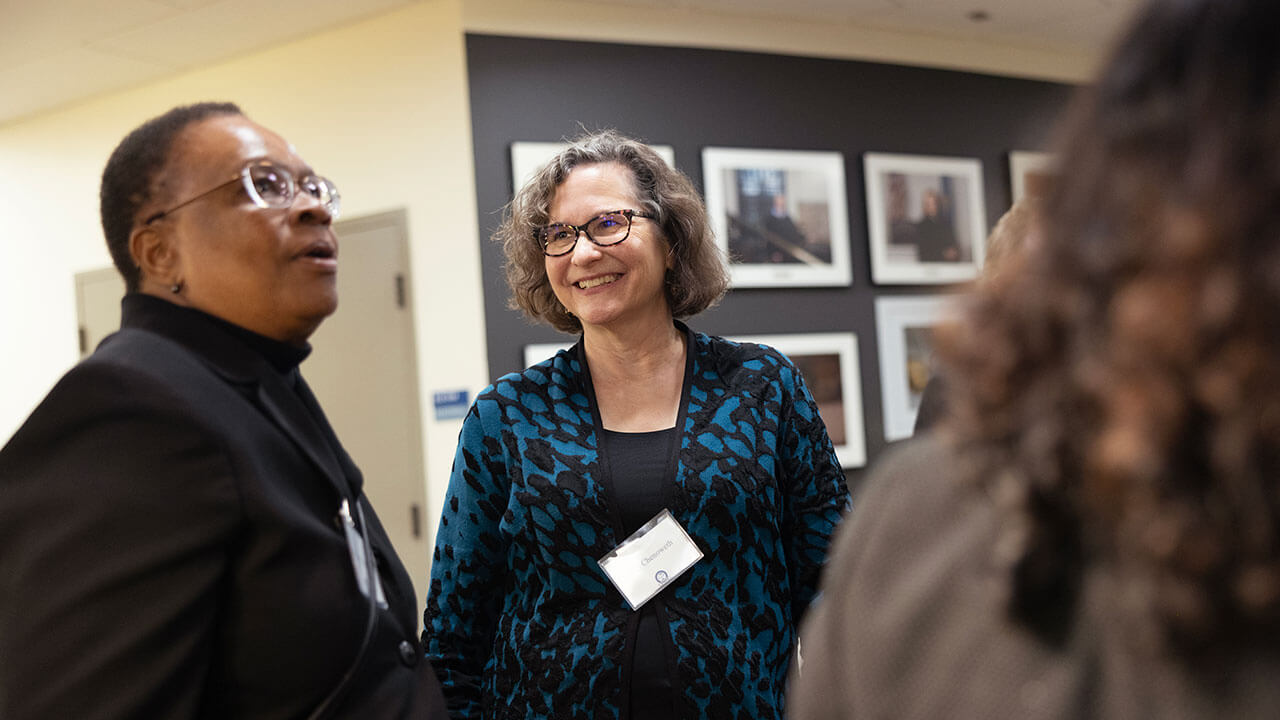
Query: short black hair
128 179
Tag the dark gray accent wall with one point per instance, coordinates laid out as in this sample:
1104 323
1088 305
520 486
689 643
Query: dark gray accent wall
526 89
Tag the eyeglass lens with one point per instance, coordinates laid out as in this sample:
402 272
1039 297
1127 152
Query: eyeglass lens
271 184
607 229
274 187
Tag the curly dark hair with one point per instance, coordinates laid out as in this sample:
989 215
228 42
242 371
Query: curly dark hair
1118 384
698 278
129 179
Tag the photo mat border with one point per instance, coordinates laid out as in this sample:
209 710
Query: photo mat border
838 272
886 272
894 314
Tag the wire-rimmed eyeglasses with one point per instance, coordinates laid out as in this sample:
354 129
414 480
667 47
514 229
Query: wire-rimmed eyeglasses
271 186
604 230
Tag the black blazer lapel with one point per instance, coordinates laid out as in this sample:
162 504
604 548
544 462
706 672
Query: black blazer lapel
286 410
248 371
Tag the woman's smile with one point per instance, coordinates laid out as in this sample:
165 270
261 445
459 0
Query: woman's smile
596 281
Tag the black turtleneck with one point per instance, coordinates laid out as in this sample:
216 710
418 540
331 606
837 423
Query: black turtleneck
178 321
211 335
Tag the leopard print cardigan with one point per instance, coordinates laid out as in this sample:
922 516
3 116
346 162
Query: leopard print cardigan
520 621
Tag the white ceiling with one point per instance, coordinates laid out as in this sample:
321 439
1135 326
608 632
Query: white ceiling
1069 24
57 51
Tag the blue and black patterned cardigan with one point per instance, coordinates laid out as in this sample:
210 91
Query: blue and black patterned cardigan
521 622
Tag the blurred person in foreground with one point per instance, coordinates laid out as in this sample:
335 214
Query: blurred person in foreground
181 533
1095 532
644 429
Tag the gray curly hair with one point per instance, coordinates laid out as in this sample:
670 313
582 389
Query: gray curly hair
698 278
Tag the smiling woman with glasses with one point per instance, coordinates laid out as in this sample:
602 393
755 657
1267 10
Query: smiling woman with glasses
703 460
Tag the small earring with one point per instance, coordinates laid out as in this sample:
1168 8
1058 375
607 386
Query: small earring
176 288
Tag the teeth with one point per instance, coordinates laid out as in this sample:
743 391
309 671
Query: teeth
596 282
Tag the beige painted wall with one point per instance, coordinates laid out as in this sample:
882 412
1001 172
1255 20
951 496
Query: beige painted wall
380 106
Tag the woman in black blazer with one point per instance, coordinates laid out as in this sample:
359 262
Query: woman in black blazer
181 533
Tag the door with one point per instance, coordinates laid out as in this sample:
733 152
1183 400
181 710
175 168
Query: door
98 294
364 369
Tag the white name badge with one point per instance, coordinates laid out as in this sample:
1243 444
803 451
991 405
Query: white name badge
659 552
360 561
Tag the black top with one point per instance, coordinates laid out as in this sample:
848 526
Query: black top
149 311
639 461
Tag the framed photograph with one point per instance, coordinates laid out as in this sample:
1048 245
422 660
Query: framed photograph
529 157
829 364
904 330
779 215
537 352
1030 173
927 219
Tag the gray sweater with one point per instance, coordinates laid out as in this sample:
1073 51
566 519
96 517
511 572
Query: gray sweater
911 623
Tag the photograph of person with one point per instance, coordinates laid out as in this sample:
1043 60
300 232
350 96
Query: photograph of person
182 534
906 335
923 218
926 218
779 215
559 464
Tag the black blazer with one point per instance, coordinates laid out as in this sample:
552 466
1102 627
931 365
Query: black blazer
169 543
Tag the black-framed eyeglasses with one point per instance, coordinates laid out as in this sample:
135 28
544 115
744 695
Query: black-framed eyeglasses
604 230
271 186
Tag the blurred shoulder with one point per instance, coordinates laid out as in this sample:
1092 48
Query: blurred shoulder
916 493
